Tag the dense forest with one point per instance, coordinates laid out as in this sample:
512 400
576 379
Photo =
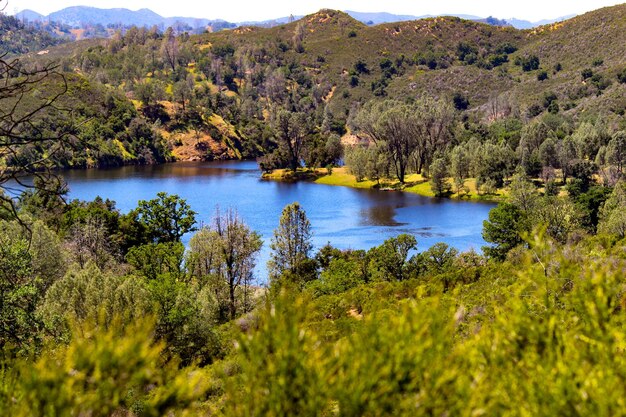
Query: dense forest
106 313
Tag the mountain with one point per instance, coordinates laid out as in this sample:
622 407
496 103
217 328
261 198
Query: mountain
525 24
270 23
79 16
30 16
378 18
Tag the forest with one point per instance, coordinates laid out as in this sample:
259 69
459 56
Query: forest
108 313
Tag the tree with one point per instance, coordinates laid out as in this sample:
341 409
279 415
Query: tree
523 194
356 162
587 139
25 99
388 260
493 163
560 217
166 218
434 129
155 259
459 166
170 49
616 151
89 240
393 127
566 154
377 166
291 130
291 244
30 262
438 258
503 228
90 294
613 212
226 250
439 177
548 153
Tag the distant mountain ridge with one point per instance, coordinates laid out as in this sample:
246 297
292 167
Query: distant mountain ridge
84 15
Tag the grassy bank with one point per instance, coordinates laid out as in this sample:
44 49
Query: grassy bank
414 183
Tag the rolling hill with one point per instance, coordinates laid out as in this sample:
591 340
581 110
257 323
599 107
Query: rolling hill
328 64
430 46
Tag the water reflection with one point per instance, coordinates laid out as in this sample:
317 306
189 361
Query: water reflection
383 215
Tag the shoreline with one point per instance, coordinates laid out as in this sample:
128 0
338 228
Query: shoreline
415 183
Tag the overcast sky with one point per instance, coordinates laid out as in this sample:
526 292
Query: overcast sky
246 10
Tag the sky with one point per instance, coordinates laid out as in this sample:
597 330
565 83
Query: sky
253 10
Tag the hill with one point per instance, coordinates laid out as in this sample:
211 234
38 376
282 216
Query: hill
215 95
30 16
17 38
425 57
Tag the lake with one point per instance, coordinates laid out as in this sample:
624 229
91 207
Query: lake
345 217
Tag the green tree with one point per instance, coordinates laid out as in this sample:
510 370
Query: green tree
439 177
613 212
407 132
90 294
376 166
438 258
166 218
185 320
291 245
393 127
616 151
566 154
30 262
356 162
291 130
389 260
523 193
503 229
459 167
154 259
559 215
227 250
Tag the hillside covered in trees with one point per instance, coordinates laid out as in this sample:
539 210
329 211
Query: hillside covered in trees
251 92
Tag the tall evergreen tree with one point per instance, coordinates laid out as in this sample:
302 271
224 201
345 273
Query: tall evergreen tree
291 244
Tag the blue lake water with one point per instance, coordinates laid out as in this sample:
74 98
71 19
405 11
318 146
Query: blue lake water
345 217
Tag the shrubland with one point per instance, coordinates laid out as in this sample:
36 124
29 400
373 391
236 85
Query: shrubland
107 313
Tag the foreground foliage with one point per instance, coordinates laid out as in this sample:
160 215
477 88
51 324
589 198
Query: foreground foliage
533 328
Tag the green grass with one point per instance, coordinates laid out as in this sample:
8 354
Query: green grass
414 183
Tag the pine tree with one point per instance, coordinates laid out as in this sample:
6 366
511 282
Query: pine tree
291 244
